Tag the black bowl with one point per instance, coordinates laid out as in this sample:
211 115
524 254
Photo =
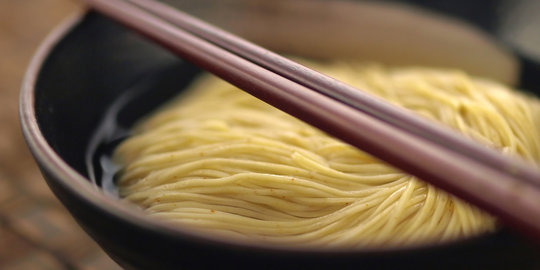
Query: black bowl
90 62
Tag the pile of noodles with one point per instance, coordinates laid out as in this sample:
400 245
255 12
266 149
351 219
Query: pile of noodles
220 160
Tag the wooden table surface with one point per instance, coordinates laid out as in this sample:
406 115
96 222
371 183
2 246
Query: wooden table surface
36 232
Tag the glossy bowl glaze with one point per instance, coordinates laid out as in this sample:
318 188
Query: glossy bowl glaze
89 62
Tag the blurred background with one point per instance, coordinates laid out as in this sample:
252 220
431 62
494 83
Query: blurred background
36 232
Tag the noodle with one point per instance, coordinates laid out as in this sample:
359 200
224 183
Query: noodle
218 159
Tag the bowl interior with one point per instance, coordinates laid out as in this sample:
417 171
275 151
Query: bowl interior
115 61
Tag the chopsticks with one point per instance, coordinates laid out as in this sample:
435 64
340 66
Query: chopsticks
321 83
508 188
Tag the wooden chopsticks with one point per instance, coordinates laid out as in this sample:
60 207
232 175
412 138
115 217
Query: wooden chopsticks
321 83
507 187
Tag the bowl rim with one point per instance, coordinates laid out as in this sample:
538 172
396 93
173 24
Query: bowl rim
82 188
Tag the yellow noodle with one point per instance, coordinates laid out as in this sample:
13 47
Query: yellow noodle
220 160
